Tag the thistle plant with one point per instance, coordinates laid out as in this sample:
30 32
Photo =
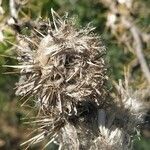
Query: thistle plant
63 70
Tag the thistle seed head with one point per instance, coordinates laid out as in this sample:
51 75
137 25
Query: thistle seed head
63 69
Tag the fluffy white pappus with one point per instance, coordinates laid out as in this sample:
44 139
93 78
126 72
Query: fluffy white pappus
69 138
111 137
110 140
131 101
135 106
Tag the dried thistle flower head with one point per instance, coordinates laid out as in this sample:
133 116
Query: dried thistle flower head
66 61
63 68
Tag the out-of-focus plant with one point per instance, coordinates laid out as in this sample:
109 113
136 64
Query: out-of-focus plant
122 23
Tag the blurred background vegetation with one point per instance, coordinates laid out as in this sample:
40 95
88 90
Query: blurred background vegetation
119 57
